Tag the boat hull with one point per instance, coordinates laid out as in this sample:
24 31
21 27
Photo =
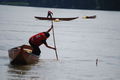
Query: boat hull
89 17
22 55
62 19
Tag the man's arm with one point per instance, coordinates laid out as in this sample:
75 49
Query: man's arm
45 43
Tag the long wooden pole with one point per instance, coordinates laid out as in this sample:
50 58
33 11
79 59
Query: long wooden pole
54 41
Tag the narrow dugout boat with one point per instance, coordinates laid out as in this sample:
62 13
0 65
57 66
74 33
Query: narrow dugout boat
22 55
62 19
89 17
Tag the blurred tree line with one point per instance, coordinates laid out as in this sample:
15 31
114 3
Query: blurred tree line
74 4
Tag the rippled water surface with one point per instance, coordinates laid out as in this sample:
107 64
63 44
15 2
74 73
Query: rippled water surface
79 43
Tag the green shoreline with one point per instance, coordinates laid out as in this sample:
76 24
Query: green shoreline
15 3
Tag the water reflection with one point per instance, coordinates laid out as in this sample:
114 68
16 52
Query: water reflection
25 72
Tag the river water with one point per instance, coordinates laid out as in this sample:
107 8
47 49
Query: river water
79 44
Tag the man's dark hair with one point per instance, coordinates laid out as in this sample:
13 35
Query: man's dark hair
47 34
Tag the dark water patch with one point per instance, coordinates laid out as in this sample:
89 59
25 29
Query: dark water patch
19 67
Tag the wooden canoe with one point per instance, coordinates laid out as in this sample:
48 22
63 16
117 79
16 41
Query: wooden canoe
89 17
22 55
62 19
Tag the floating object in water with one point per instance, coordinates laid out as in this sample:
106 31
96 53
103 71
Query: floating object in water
96 61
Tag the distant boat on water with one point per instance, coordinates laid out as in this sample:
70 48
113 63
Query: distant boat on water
89 17
62 19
